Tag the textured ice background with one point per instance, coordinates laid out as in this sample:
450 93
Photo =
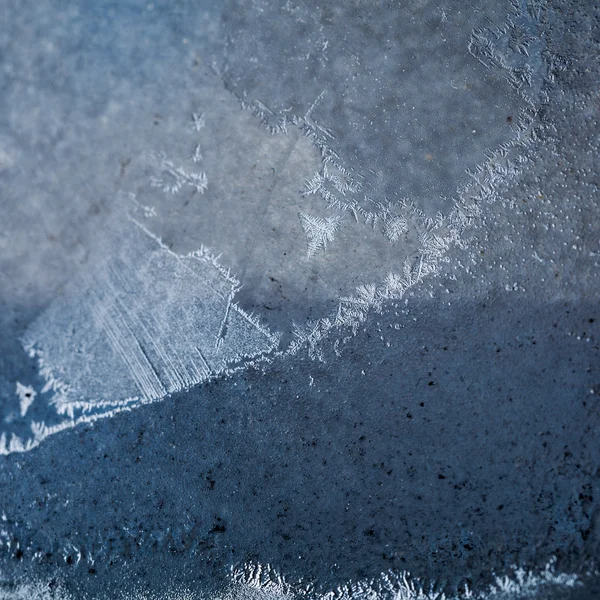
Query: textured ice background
407 195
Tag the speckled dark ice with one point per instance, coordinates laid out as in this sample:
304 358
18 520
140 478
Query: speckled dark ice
299 299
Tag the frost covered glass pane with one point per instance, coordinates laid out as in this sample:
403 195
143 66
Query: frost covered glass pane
299 297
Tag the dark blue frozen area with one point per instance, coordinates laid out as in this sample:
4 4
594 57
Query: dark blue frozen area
442 472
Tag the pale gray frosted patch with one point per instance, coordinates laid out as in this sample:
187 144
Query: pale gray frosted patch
328 208
389 89
142 323
294 253
82 91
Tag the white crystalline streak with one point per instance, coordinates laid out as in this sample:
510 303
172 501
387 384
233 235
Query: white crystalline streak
43 590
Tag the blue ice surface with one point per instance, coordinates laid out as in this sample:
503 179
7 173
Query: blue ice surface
451 435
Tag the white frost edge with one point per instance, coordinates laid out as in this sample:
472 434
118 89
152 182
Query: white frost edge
11 443
257 582
268 584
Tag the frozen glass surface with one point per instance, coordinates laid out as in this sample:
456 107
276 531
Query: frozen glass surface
298 298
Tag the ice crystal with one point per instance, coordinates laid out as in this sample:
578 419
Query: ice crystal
197 156
320 231
520 40
394 227
171 179
158 322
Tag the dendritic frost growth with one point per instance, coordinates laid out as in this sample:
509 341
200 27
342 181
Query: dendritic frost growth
144 323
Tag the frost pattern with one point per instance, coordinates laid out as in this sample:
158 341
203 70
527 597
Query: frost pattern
320 231
337 178
256 582
511 49
511 46
394 227
436 235
172 179
144 323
